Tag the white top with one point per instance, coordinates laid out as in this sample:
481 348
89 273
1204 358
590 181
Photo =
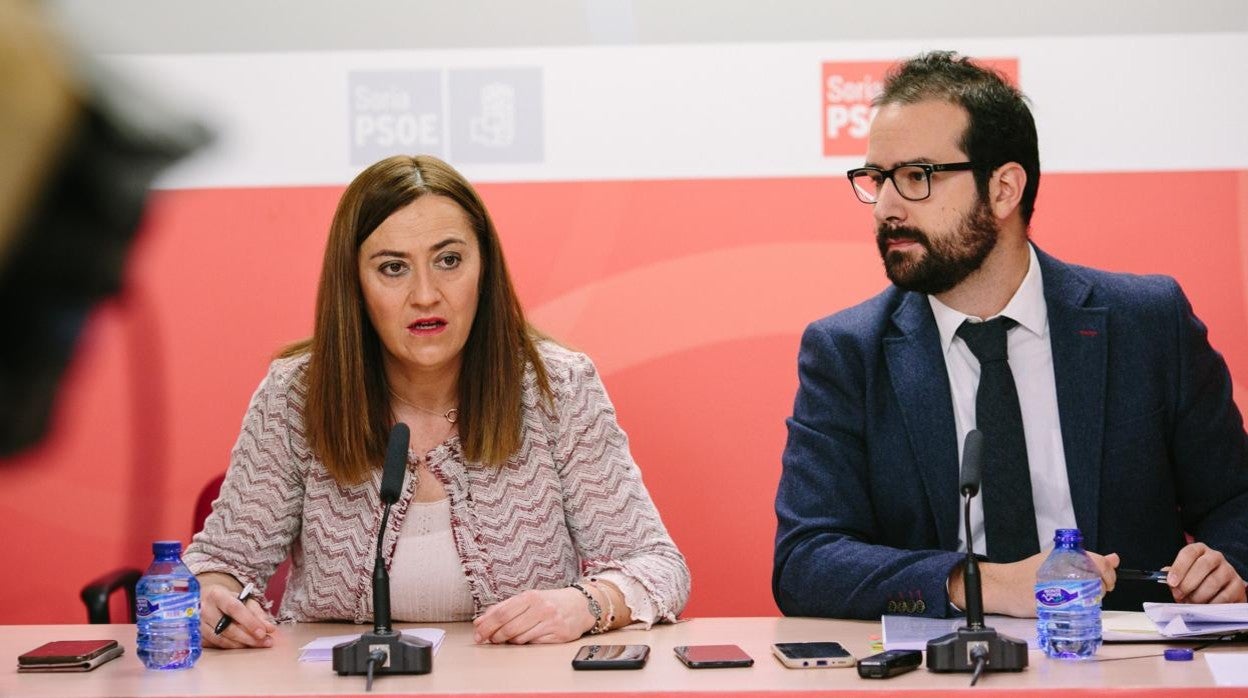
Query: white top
1031 362
427 581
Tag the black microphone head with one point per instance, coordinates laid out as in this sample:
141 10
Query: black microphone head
972 463
396 463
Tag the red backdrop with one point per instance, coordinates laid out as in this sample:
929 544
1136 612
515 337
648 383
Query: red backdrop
690 295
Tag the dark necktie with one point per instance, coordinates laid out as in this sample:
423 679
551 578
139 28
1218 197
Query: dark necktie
1009 514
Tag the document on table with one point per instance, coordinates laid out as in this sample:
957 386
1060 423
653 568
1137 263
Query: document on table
322 648
1228 668
912 633
1193 620
1128 626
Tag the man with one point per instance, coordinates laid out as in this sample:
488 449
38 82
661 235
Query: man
1123 425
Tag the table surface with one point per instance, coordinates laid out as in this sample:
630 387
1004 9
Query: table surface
464 668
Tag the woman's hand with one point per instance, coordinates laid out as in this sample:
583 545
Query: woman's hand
547 615
218 595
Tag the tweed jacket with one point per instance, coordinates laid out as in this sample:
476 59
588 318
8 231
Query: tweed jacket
569 503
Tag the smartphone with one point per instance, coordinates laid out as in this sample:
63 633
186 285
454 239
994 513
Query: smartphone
886 665
713 656
69 655
611 657
812 655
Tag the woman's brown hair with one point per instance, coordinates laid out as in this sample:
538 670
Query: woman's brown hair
345 367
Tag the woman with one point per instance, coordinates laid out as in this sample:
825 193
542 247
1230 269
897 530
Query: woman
521 507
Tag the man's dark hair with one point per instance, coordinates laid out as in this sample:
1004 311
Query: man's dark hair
1001 127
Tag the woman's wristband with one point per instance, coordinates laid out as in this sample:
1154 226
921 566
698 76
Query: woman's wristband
595 609
609 621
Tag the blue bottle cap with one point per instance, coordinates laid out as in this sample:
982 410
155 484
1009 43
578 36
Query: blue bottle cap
167 548
1178 654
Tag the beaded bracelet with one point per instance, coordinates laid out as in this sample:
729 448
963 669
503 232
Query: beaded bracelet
594 608
610 602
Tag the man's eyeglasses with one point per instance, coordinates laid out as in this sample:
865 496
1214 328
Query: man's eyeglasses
913 180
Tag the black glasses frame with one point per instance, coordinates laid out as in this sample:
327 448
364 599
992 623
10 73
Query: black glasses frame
885 175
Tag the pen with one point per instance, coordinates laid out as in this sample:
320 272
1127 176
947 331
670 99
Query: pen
1142 575
225 617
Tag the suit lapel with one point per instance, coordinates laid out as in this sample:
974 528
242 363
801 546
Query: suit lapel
1079 341
917 368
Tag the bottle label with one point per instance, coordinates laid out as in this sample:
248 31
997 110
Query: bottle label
1073 593
167 606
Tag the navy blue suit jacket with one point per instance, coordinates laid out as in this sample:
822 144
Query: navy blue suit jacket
868 502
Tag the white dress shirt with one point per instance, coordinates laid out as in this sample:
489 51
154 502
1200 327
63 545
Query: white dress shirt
1031 362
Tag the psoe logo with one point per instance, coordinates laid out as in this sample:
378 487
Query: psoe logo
848 88
394 111
495 125
496 115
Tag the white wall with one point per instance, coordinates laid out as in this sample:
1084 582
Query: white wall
245 26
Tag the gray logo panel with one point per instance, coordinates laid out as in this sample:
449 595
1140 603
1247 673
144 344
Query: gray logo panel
496 115
394 112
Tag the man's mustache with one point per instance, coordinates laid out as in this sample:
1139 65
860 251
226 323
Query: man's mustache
883 236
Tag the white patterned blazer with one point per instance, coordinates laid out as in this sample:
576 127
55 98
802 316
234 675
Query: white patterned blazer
569 503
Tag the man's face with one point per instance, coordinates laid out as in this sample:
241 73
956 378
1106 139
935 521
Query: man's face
928 246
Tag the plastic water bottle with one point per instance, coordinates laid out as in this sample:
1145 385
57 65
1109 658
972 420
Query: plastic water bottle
167 606
1068 599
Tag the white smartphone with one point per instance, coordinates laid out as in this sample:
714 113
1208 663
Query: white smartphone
812 655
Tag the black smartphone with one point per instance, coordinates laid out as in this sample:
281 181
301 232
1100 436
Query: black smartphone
713 656
812 655
611 657
69 655
888 664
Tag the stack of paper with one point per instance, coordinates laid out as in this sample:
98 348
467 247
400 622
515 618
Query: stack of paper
322 648
1198 620
1159 622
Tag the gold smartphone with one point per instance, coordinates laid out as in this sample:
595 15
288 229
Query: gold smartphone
812 655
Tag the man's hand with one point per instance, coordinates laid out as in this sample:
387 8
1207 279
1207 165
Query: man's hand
1200 574
1009 588
547 615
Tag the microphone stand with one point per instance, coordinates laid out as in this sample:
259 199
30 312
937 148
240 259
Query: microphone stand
975 647
384 650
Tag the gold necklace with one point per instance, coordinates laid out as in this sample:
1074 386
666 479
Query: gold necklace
450 415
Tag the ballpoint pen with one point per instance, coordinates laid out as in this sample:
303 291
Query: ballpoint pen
1142 575
225 617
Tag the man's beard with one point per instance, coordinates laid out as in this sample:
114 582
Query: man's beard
945 262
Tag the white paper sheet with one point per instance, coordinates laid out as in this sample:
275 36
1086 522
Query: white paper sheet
1228 668
322 648
1190 619
913 632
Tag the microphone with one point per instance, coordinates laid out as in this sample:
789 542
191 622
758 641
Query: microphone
392 472
395 466
972 474
385 651
972 463
974 647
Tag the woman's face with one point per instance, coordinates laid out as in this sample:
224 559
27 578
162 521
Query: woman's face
419 273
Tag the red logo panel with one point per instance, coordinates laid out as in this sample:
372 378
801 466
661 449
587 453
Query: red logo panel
847 90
